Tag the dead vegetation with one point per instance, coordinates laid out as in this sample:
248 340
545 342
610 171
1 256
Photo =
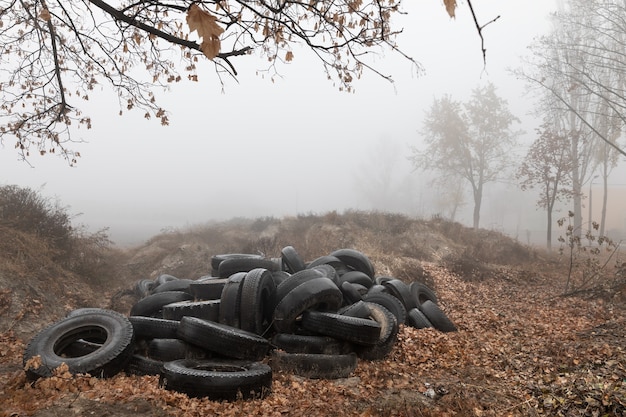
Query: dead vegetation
522 349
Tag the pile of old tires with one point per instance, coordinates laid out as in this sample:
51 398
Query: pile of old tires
221 336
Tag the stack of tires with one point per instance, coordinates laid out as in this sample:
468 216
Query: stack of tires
221 336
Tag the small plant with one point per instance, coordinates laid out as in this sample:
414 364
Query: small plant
588 262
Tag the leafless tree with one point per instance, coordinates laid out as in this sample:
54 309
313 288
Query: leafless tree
470 142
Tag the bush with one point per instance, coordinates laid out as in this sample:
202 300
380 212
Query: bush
47 226
26 210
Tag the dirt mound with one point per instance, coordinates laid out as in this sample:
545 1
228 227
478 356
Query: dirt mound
521 348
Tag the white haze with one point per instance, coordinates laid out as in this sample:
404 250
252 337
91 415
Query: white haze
295 145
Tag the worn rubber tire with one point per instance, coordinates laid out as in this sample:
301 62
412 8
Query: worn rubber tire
388 334
152 305
166 350
350 294
421 292
208 310
401 291
315 293
218 380
257 301
315 366
150 327
292 260
355 330
111 329
141 365
231 266
390 302
295 280
437 317
230 301
418 320
174 285
357 277
216 260
355 260
225 340
210 289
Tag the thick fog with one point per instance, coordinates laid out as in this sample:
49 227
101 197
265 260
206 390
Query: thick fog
296 144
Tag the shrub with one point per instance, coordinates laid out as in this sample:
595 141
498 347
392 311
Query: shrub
26 210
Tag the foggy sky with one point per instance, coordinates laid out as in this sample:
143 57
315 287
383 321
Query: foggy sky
295 145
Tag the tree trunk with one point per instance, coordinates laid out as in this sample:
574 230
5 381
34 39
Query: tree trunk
549 233
605 195
478 197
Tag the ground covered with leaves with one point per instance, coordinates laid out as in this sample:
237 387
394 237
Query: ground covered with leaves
521 350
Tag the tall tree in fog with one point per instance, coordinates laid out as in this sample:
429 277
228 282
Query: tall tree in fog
580 72
469 142
546 168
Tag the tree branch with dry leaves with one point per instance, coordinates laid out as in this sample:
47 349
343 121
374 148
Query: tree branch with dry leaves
54 54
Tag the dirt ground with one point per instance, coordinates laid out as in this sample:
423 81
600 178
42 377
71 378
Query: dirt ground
521 348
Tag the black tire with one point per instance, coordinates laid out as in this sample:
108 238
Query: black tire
167 350
174 285
350 294
152 305
390 302
437 317
351 329
225 340
359 309
230 301
231 266
210 289
315 366
141 365
257 301
316 293
91 310
292 260
216 260
421 292
144 287
355 260
207 310
150 327
401 291
280 276
339 267
327 271
418 320
112 330
312 344
163 278
228 380
357 277
295 280
388 334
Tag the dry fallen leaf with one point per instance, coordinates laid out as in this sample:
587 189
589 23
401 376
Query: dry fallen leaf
205 24
450 6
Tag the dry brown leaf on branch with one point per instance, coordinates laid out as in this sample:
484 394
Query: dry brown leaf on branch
205 24
450 6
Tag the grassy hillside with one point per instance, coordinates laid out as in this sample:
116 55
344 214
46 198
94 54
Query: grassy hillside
521 349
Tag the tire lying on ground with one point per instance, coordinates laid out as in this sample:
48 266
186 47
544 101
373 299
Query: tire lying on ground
315 293
388 334
218 379
351 329
223 339
437 317
110 329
